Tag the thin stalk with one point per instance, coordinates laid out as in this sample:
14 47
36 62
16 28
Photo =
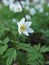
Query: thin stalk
23 10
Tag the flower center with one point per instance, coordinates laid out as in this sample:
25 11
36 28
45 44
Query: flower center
12 7
22 28
18 8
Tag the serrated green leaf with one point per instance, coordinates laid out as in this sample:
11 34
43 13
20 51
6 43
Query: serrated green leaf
26 47
11 55
6 40
22 59
44 49
3 49
36 47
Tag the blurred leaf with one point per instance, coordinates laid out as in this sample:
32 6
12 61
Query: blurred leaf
6 40
37 47
26 47
44 49
22 59
3 49
11 55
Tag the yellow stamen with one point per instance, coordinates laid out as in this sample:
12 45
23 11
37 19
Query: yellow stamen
22 28
18 8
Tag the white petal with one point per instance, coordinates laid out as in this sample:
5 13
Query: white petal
17 23
30 30
22 20
28 17
19 31
18 8
26 33
11 1
12 7
28 24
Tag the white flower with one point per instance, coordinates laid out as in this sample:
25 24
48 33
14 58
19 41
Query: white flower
41 10
39 7
28 2
48 4
35 1
23 3
24 27
28 17
15 7
11 1
42 1
14 20
5 2
27 7
32 11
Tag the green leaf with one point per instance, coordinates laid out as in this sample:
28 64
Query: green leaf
6 40
33 63
3 49
26 47
11 56
37 47
22 59
1 41
47 62
44 49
